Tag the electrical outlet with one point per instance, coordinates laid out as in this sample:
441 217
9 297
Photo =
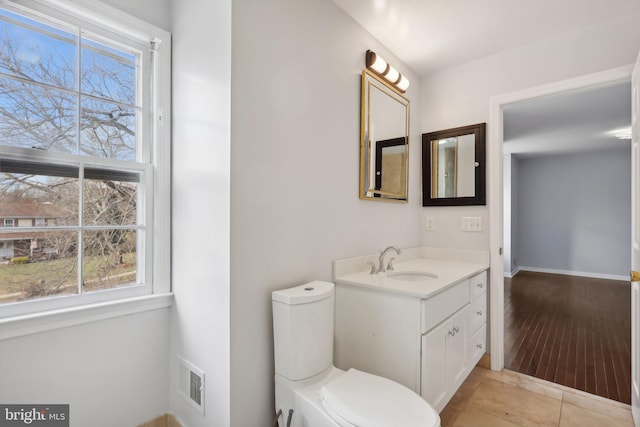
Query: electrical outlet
429 223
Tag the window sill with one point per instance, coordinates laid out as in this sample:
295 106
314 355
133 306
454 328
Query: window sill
29 324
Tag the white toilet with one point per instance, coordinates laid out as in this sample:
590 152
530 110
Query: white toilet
311 392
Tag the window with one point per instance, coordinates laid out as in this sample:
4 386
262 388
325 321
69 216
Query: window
84 152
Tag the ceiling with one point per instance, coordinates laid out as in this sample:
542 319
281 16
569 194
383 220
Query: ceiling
430 35
580 120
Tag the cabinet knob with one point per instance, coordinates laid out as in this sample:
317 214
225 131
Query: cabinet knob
479 313
479 285
479 346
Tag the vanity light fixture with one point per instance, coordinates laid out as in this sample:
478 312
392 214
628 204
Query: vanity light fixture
381 67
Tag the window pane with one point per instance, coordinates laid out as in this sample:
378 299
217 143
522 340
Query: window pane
108 73
32 116
34 51
72 195
37 265
108 130
53 199
109 259
109 201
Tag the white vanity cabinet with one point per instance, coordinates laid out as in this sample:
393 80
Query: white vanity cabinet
451 349
429 344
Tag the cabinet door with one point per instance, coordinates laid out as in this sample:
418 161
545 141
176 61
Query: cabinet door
433 384
444 360
456 350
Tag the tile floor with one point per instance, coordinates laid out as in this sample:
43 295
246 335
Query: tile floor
508 399
165 420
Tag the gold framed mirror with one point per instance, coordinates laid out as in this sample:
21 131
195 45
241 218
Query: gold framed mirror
384 141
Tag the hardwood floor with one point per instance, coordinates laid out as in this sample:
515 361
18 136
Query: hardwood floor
573 331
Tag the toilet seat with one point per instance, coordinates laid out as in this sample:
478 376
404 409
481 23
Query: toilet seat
360 399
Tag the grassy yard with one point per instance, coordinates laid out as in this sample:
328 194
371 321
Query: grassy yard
59 276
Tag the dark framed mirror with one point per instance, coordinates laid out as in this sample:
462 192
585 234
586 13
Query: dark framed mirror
453 166
391 160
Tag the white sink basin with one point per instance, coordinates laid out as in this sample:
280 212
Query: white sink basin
411 276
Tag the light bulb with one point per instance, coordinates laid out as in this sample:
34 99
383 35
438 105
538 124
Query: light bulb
392 75
379 65
403 84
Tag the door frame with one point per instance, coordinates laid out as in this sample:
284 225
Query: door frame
495 194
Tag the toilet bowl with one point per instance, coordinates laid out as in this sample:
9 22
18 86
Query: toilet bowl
311 392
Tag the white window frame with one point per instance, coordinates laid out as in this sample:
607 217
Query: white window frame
9 222
23 317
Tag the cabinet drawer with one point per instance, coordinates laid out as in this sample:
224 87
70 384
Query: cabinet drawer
477 313
477 346
441 306
478 284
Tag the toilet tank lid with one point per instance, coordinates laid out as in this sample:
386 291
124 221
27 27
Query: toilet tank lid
303 294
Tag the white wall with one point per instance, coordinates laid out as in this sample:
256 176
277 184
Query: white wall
111 372
461 96
574 213
295 168
201 203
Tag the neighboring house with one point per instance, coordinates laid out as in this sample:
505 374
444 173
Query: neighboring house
21 215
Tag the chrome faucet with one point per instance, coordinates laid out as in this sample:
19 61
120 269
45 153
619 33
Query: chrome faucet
381 268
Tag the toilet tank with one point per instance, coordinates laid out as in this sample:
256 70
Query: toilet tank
303 330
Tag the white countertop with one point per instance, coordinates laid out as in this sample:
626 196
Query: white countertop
449 272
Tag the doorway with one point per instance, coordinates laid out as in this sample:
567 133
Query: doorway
567 217
498 104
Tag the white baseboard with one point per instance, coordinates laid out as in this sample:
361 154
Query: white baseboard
512 273
569 273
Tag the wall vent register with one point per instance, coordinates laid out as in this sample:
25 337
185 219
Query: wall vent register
191 384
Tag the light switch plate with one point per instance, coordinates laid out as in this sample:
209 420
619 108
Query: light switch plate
471 223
